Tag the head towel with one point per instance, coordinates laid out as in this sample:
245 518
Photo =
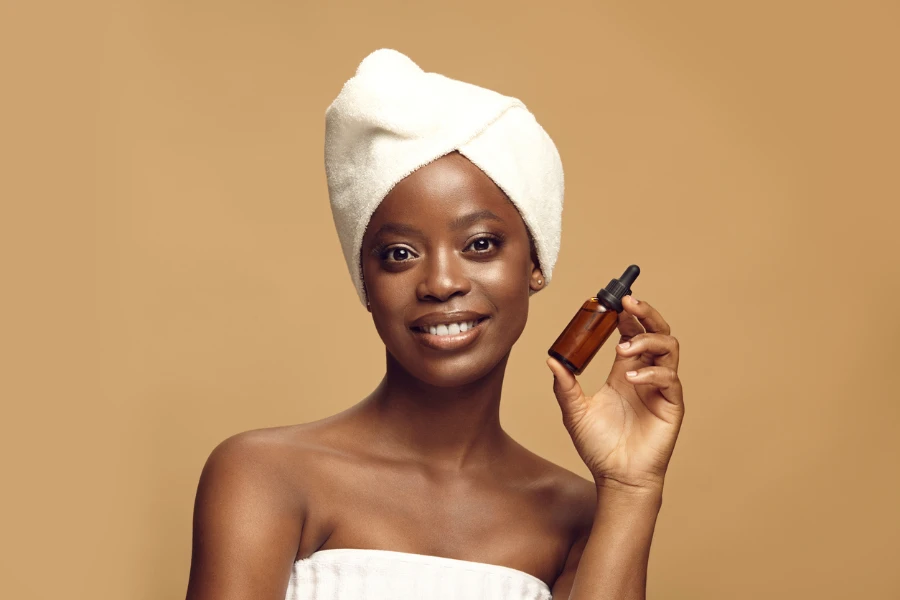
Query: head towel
391 118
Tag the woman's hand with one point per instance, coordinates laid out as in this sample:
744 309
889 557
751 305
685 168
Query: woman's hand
626 432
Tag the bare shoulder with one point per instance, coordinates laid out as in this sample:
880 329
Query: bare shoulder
571 504
249 514
572 497
260 469
261 447
245 526
272 451
283 459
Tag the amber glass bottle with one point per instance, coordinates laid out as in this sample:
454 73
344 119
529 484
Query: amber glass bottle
593 324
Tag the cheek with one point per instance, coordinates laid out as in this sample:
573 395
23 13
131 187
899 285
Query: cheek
390 297
507 279
389 300
390 329
506 288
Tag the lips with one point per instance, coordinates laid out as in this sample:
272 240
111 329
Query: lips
450 341
446 318
443 329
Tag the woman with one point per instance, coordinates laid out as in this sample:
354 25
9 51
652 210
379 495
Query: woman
416 491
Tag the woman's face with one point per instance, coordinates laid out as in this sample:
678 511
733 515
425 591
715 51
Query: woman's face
447 240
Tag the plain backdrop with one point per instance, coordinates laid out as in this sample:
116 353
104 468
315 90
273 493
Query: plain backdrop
171 274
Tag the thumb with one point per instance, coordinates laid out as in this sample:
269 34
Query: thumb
566 388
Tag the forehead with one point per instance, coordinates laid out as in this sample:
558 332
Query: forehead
442 190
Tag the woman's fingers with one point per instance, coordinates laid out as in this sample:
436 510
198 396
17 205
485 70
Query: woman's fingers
628 326
651 348
646 315
567 390
663 378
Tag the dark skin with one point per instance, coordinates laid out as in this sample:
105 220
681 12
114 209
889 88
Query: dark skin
421 465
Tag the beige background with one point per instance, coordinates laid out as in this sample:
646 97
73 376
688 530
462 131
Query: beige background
171 275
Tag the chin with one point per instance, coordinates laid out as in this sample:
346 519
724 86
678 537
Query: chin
448 371
448 376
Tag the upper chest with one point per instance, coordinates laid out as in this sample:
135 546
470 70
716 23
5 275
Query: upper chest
494 517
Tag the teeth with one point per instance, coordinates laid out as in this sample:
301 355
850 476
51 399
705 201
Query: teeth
451 328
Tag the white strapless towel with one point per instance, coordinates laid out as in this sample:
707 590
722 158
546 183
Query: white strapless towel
358 574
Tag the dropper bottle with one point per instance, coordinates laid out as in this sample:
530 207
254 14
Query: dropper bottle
593 324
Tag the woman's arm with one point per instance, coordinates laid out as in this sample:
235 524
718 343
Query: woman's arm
610 562
246 527
625 433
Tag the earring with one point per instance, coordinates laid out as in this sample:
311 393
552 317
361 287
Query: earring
540 281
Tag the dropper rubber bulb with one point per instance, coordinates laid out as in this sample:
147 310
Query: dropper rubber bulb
616 289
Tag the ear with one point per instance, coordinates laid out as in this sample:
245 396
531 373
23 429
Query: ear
537 277
537 280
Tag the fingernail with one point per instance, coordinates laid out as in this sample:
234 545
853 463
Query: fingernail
624 345
631 373
636 301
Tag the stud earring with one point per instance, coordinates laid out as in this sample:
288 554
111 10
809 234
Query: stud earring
540 281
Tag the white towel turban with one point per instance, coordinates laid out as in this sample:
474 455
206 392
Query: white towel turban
392 118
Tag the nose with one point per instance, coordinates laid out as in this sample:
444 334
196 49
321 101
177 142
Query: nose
443 277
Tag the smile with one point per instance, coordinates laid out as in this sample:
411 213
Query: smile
449 336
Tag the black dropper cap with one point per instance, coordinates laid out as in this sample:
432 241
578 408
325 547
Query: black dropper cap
611 296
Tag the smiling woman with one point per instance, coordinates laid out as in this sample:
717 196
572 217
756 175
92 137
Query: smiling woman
461 257
447 199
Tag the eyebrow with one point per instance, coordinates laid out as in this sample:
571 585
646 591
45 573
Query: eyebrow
457 223
472 218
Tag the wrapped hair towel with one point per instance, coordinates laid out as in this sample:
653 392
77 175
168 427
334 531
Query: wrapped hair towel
391 118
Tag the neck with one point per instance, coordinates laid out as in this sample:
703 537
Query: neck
454 428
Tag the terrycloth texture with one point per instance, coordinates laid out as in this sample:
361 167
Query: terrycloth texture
385 575
392 118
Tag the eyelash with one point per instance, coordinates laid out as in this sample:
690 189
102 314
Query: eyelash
383 250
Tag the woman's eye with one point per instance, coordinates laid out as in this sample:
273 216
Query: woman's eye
397 255
483 244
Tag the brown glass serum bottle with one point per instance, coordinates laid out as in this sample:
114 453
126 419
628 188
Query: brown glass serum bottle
593 324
